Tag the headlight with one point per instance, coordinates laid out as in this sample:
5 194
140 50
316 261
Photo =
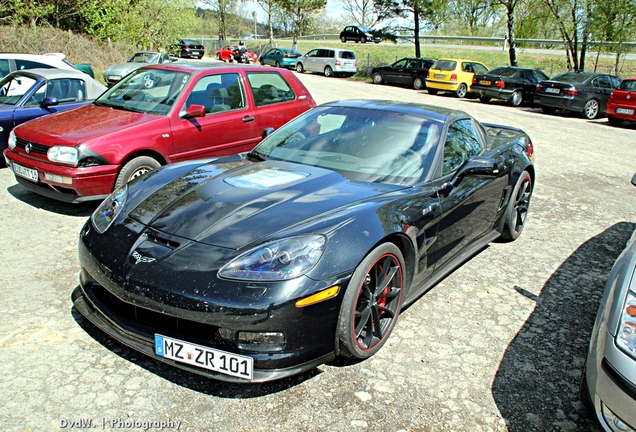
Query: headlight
12 140
63 154
626 336
278 260
104 216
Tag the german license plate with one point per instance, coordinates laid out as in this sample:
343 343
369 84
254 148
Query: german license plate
27 173
552 90
438 75
196 52
624 111
204 357
114 77
485 82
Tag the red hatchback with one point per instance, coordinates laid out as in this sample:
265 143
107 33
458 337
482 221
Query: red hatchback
157 115
621 105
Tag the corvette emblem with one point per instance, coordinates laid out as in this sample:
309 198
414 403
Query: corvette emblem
140 258
27 148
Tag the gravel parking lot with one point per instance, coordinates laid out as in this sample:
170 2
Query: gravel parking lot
496 346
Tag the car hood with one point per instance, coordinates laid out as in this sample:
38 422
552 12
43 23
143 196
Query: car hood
123 68
81 125
234 204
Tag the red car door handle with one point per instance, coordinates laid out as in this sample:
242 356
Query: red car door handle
248 119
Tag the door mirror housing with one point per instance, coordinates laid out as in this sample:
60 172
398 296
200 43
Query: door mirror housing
194 110
475 167
49 102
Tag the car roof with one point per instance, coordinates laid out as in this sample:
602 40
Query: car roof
200 67
54 59
52 73
433 112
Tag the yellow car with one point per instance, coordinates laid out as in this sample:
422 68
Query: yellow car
455 75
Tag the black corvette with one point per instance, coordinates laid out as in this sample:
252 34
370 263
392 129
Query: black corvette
258 266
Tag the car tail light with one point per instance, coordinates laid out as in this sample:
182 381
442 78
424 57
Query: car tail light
572 91
284 55
499 84
338 62
453 77
474 80
529 148
186 47
539 87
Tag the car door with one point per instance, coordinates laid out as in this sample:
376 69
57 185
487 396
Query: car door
228 126
468 209
394 74
311 61
603 89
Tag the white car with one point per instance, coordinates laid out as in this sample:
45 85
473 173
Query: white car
11 62
329 61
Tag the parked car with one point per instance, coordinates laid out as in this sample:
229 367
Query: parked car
280 57
187 48
11 62
582 92
268 264
410 71
621 105
114 73
32 93
190 112
609 374
227 52
329 61
453 75
512 84
358 33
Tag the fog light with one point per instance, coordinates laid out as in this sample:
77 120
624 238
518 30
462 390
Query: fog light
261 341
613 422
227 334
58 178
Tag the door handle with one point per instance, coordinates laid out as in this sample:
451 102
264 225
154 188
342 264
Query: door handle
248 119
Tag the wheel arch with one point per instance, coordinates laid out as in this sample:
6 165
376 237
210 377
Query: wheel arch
143 152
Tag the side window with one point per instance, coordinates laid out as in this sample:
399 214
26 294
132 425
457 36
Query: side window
616 81
467 67
541 76
66 90
269 88
401 63
36 98
4 68
462 142
479 68
217 93
330 53
27 64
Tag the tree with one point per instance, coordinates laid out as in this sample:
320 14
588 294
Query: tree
361 12
268 7
615 21
222 9
300 12
573 18
510 6
421 10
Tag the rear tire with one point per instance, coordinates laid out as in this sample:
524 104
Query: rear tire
343 39
371 303
484 99
548 110
135 168
328 72
432 91
461 91
615 121
516 99
517 208
277 64
363 39
300 68
418 83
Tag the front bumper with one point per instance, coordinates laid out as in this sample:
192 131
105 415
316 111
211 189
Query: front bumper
77 185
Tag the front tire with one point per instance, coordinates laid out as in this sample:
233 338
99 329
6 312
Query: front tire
377 78
300 68
432 91
328 71
461 91
343 39
484 99
517 209
548 110
371 303
363 39
135 168
418 83
591 109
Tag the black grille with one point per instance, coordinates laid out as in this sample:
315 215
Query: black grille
146 323
34 148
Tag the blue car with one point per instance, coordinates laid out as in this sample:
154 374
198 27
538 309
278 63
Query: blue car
28 94
280 57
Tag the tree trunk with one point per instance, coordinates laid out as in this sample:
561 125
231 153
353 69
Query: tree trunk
416 31
512 49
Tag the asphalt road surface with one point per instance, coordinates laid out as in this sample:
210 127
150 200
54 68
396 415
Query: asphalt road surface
496 346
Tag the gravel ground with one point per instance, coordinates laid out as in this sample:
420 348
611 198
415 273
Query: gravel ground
496 346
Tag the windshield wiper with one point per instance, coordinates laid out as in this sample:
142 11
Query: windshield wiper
254 155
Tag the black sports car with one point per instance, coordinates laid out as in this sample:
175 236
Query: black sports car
254 267
512 84
582 92
410 71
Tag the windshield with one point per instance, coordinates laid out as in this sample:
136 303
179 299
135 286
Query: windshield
12 88
150 91
144 57
360 144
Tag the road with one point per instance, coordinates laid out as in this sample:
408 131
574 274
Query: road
498 345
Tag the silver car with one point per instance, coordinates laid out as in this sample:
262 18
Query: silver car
116 72
609 377
330 61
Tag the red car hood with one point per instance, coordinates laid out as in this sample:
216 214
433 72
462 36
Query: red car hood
81 125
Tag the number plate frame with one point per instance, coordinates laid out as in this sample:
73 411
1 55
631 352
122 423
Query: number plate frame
24 172
625 111
204 357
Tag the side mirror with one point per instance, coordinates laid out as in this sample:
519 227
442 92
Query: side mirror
49 102
194 110
267 132
475 167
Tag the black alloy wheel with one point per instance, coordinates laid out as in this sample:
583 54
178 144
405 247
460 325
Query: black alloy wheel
517 209
372 303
